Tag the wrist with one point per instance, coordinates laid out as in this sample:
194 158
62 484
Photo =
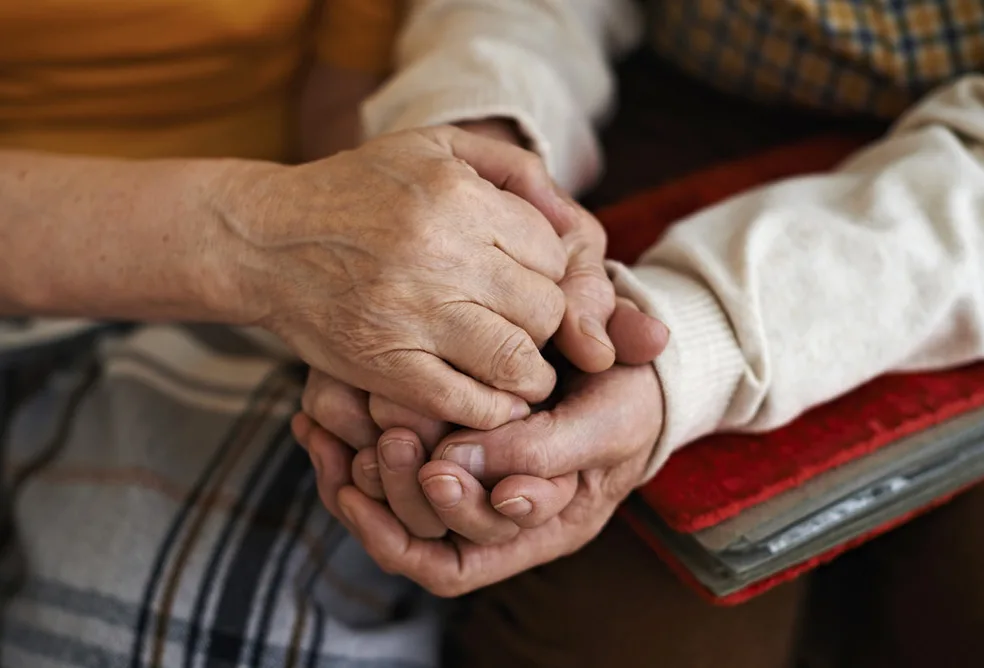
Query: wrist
503 129
234 282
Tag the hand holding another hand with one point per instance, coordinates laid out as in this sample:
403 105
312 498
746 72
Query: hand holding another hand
555 477
422 266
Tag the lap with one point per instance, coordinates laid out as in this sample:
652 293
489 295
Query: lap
175 522
614 603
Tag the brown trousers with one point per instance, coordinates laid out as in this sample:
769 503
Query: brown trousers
914 598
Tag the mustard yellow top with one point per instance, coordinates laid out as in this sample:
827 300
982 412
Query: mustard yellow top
143 78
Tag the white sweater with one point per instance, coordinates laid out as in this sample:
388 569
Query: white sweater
777 300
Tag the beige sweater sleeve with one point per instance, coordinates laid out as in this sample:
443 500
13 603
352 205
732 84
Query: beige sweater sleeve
541 63
796 293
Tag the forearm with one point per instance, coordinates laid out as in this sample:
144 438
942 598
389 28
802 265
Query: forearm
797 293
111 239
542 65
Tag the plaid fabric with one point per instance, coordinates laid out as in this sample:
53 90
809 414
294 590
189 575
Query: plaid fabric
874 57
158 513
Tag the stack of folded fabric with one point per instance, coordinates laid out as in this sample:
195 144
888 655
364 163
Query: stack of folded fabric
735 515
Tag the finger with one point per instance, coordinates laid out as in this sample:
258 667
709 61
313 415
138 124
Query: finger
513 169
582 336
388 414
365 474
300 426
494 351
525 235
605 419
339 408
462 504
448 568
332 461
590 302
528 300
428 385
638 338
400 457
529 501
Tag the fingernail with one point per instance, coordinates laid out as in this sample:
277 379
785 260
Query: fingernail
371 470
666 330
518 506
520 411
398 455
444 491
467 456
591 327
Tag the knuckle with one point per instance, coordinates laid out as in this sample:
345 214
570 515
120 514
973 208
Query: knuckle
513 357
547 315
393 364
452 404
451 178
536 461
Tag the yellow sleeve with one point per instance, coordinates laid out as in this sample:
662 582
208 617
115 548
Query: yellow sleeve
359 34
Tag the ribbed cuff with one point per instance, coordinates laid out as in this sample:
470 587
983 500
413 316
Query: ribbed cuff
702 365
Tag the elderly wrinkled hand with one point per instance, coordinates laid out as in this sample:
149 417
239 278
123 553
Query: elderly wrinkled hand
555 478
422 266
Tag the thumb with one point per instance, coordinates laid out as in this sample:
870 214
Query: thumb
638 338
598 424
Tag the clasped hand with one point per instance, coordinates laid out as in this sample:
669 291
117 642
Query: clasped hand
458 510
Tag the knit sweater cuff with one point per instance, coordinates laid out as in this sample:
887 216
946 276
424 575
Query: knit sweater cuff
700 369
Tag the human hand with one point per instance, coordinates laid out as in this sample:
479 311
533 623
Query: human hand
604 429
582 337
402 269
357 419
540 508
353 417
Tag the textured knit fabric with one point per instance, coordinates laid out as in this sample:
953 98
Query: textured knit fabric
542 62
157 512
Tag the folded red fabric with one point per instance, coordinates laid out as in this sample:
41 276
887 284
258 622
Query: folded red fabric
719 476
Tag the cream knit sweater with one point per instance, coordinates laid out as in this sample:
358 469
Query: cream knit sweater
777 300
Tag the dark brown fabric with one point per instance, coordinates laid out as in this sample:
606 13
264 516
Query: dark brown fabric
614 604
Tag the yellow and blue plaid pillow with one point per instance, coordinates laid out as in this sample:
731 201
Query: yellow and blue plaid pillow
873 57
